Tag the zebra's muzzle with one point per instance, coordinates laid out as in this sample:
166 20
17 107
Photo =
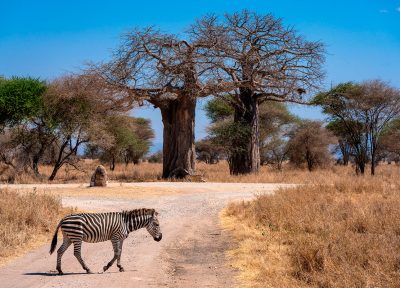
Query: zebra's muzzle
158 238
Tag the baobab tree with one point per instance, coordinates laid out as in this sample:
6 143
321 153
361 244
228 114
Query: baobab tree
267 61
169 73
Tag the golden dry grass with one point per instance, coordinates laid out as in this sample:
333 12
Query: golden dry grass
115 190
26 221
210 173
68 174
338 233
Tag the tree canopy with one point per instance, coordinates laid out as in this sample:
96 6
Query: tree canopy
359 114
20 98
267 61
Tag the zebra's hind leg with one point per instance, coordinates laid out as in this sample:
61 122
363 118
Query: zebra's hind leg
60 252
117 253
77 253
121 269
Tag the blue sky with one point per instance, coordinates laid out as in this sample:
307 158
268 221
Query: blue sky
49 38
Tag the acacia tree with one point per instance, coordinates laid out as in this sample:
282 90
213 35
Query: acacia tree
34 139
78 106
309 144
128 140
169 73
267 61
55 118
364 111
22 110
20 99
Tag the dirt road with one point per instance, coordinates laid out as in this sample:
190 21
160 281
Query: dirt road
192 251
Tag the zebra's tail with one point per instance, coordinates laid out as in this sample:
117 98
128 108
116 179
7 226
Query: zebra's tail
54 241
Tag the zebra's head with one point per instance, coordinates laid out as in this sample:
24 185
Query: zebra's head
154 227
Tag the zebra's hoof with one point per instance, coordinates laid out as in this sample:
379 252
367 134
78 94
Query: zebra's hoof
121 269
89 271
60 272
105 268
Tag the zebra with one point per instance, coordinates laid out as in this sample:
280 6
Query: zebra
99 227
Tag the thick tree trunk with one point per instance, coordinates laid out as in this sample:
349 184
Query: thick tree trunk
178 139
247 160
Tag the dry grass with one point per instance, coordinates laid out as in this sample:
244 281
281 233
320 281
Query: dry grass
344 234
122 173
114 190
26 221
210 173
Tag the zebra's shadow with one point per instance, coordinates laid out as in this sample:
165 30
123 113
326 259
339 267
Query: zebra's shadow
54 273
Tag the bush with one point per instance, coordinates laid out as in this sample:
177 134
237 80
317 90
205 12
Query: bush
156 157
25 216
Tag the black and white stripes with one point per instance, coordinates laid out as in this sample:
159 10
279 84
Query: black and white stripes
98 227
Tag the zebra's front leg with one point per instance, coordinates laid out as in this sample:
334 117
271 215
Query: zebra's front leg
77 253
60 252
121 269
117 253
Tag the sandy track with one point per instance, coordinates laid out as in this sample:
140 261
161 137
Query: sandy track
191 252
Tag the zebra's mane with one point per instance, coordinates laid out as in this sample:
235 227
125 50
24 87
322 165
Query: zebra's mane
139 212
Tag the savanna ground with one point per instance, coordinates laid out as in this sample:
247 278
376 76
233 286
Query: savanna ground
339 230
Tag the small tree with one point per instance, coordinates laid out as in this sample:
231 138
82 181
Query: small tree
129 140
156 157
209 152
309 144
144 132
275 149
